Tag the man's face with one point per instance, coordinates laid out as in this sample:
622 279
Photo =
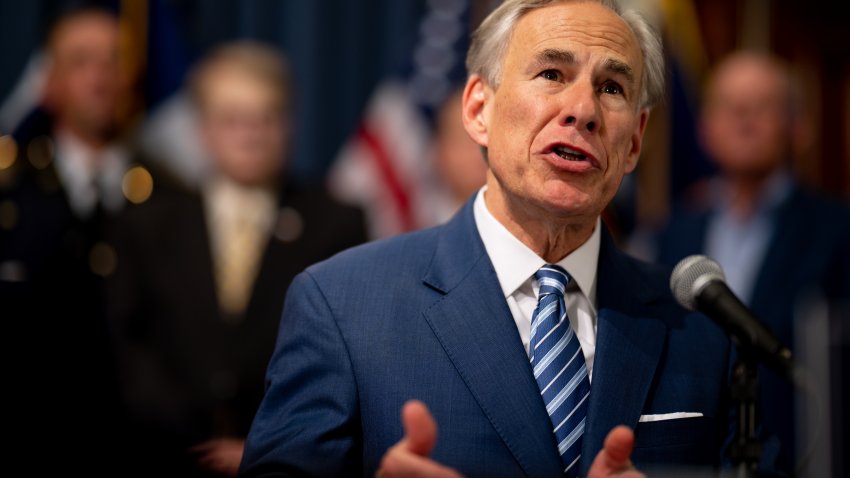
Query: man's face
243 125
85 82
563 127
745 122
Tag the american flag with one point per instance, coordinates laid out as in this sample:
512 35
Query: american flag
383 167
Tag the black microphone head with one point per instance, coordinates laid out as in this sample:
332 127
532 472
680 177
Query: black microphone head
690 276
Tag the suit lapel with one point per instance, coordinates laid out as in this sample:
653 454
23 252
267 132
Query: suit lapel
197 235
480 338
475 327
788 237
629 342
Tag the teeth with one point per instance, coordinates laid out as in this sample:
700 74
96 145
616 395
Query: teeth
569 154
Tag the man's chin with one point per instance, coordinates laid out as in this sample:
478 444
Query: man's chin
102 127
571 204
252 178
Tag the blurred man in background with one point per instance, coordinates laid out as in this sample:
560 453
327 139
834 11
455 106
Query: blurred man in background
776 241
460 171
57 196
70 146
198 292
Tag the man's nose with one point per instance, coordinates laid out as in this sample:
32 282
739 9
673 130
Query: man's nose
580 108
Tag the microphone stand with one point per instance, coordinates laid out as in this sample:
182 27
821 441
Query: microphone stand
745 450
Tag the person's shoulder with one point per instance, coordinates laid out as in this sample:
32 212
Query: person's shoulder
32 167
817 218
648 269
328 225
652 279
164 195
313 197
157 209
37 123
653 276
383 259
689 326
817 203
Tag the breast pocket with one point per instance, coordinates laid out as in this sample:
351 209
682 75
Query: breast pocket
681 441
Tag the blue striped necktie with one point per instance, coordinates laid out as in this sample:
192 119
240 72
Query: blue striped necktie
559 367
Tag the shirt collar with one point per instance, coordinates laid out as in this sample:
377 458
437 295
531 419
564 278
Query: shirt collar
88 174
515 263
228 200
776 190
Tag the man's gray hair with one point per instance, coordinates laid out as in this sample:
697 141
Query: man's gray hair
490 43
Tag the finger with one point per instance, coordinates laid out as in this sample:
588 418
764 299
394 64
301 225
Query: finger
207 460
203 447
401 462
618 446
420 429
614 456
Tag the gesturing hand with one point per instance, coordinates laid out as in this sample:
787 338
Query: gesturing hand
613 458
410 456
220 456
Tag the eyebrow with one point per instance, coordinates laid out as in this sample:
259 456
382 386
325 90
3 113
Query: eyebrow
620 68
554 55
551 56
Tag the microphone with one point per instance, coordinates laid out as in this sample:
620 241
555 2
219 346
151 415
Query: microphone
698 284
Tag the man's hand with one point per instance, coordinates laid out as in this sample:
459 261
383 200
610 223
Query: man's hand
613 458
220 456
409 457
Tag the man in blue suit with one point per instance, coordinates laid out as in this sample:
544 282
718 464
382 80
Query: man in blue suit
517 328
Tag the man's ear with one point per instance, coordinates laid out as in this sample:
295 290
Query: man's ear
637 141
475 97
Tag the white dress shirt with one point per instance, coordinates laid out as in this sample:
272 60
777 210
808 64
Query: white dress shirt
515 266
739 244
90 176
240 220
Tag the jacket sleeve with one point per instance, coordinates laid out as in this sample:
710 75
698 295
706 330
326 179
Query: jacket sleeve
308 422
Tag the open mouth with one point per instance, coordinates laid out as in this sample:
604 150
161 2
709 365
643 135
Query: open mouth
569 154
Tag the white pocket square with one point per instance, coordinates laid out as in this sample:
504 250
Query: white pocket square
668 416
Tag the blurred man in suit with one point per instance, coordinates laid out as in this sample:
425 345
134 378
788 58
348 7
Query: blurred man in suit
70 146
198 291
522 332
57 196
777 242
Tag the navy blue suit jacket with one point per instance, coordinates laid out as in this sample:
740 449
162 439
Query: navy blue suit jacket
808 252
422 316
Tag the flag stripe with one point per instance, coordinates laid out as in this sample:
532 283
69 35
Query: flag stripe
388 175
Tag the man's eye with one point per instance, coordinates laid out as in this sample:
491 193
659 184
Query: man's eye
611 89
551 75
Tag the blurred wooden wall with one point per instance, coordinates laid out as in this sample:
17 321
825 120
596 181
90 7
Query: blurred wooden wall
814 37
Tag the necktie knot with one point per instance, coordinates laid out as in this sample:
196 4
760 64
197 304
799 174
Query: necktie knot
553 279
